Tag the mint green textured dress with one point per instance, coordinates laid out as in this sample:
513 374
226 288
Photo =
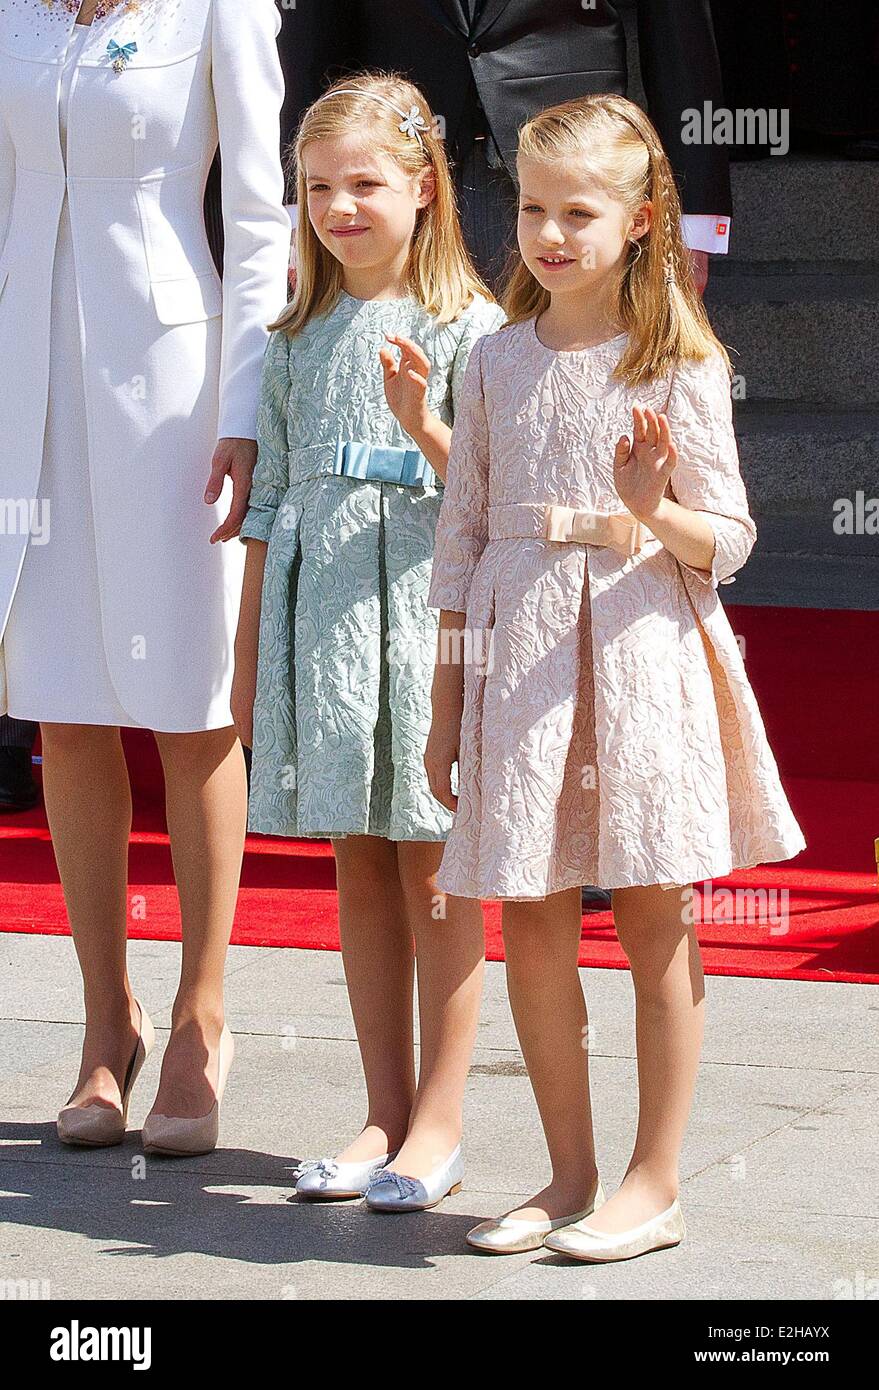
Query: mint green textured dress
347 641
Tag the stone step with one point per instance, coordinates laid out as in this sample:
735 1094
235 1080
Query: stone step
793 456
799 331
783 572
803 208
798 465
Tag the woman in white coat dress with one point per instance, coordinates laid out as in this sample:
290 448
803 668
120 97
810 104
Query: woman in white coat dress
126 367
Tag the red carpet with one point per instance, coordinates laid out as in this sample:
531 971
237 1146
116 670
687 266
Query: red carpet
817 918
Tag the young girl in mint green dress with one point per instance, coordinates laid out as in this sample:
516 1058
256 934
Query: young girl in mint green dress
336 643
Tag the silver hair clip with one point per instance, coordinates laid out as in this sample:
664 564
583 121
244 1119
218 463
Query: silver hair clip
412 123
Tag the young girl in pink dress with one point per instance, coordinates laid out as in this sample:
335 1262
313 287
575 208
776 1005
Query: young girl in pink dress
587 683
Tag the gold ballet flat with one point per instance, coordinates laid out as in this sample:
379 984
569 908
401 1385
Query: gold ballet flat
99 1126
510 1235
580 1242
177 1136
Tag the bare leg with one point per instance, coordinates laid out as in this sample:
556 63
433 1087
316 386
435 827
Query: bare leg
655 932
541 943
450 954
88 805
206 806
377 953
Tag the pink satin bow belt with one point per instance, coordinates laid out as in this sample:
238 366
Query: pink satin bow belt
552 522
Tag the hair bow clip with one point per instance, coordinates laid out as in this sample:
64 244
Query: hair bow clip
121 54
413 123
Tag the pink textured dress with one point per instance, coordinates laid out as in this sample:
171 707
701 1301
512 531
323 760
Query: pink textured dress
610 734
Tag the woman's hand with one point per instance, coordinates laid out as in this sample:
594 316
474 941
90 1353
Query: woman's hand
405 383
237 459
643 466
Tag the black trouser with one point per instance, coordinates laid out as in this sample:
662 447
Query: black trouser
805 56
16 733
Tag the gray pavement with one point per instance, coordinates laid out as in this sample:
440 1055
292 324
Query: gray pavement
781 1176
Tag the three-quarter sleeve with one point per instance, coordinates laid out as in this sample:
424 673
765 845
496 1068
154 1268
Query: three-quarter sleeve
271 475
462 527
707 478
248 86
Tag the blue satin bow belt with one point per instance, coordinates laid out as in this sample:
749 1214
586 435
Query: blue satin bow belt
383 463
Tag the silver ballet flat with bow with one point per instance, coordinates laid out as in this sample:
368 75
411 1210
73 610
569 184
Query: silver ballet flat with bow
325 1178
510 1235
390 1191
580 1242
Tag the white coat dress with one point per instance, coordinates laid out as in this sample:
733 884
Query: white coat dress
123 356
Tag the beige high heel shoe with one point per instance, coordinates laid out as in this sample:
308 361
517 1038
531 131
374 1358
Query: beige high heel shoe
177 1136
98 1126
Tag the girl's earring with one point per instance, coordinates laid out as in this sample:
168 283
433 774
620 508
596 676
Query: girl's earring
633 241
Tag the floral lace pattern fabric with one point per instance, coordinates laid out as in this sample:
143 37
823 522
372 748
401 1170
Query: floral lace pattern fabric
609 731
347 641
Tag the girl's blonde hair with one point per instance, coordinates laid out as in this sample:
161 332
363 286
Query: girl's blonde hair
659 305
439 272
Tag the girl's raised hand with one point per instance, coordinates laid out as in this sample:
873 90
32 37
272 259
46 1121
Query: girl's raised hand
405 382
643 465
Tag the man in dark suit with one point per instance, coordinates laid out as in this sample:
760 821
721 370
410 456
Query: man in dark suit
819 61
487 66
